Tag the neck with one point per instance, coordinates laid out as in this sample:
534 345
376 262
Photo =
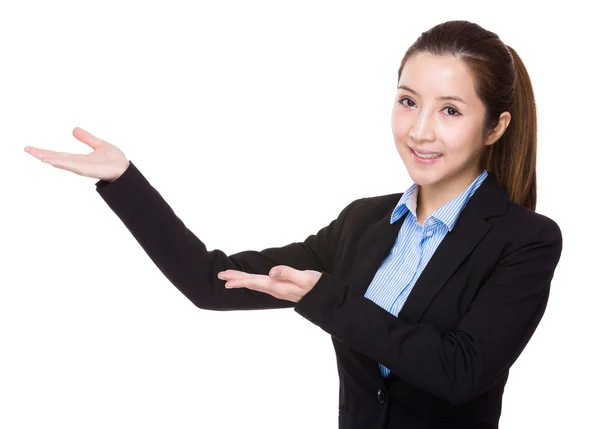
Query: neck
431 197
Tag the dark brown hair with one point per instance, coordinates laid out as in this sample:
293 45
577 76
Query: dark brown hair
502 83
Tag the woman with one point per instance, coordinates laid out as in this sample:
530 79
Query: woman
429 295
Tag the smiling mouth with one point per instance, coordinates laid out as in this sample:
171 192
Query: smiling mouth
424 161
426 155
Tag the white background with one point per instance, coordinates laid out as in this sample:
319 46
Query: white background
211 101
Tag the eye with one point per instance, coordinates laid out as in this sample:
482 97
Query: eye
404 98
453 109
456 112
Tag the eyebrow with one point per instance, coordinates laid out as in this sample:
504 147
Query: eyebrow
446 97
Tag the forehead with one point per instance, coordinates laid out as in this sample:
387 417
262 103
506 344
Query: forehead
435 76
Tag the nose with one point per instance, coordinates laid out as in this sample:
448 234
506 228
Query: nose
423 127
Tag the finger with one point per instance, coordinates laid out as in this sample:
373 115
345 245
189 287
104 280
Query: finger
235 274
86 137
261 284
42 153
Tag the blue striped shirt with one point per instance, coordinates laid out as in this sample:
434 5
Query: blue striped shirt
413 248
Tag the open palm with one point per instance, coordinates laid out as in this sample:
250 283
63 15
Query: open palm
106 162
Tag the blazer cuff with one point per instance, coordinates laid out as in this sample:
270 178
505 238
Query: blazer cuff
329 292
124 179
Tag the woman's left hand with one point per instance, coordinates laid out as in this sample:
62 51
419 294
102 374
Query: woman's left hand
283 282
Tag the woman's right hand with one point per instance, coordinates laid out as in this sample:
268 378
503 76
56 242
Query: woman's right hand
106 162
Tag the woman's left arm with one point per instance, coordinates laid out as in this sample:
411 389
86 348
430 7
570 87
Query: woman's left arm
454 365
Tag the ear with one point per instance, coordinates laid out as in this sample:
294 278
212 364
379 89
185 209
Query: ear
494 135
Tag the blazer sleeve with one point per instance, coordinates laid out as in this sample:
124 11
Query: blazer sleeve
455 365
187 263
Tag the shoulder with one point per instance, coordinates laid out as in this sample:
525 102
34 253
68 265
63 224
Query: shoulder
372 207
526 222
521 234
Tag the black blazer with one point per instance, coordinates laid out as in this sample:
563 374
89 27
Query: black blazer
465 322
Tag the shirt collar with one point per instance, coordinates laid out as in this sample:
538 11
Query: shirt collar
448 213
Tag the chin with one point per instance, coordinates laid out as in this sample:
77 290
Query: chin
424 178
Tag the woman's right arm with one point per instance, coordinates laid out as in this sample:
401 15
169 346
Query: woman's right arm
185 260
175 250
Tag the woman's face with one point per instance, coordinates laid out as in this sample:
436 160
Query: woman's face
450 127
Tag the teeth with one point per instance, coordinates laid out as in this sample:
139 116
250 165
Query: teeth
428 155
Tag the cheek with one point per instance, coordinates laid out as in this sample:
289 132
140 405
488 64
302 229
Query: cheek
400 126
455 136
458 140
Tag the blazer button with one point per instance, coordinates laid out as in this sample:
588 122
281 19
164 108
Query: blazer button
381 396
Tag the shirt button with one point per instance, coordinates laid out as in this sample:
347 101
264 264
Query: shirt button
381 396
429 233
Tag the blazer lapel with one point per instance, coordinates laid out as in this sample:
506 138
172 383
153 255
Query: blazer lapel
372 248
377 242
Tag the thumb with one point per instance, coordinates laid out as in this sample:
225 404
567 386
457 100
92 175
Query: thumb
283 272
87 137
